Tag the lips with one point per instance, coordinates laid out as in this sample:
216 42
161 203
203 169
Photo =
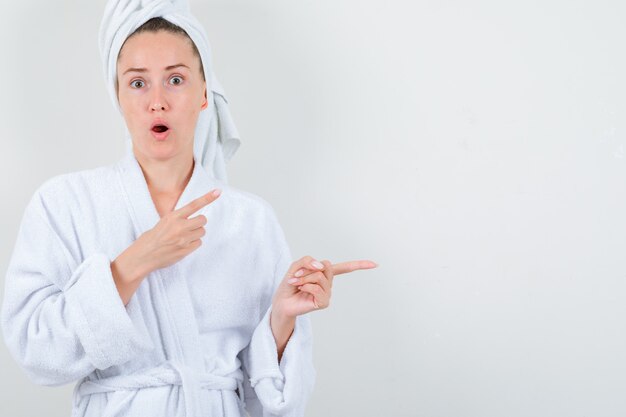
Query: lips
160 136
159 126
160 129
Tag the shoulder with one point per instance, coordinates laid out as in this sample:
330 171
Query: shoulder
246 202
85 177
70 190
253 215
258 219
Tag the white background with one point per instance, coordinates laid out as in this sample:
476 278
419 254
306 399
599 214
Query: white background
474 149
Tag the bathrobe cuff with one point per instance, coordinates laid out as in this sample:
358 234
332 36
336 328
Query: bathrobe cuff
282 388
103 325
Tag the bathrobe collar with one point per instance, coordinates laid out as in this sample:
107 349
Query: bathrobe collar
170 287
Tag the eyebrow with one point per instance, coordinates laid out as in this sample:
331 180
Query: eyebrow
169 67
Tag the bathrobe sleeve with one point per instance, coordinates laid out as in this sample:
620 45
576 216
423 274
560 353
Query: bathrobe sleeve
279 389
58 322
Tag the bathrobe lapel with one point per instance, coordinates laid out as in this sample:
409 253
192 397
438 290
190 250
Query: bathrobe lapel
169 284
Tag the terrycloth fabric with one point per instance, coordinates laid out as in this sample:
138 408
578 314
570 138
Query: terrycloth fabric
216 137
191 334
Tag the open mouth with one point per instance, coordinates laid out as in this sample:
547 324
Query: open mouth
159 128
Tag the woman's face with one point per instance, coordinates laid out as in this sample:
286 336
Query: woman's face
148 90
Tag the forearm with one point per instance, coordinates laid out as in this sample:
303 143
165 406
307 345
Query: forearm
127 275
282 329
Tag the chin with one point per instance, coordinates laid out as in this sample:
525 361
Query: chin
163 153
158 150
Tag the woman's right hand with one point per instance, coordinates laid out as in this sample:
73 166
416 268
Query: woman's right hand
174 236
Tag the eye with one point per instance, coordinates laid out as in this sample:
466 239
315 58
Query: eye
135 81
177 76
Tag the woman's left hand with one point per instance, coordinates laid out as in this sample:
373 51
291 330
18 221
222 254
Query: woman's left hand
307 285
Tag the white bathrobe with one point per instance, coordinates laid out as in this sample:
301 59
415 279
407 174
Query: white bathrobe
195 335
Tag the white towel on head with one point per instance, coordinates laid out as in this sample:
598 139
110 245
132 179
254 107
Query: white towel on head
216 137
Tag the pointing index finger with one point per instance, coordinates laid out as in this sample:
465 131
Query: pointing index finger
195 205
344 267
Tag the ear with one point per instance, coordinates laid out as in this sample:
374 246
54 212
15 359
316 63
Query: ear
206 102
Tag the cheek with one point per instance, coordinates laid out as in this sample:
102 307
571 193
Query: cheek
133 121
190 112
128 108
128 103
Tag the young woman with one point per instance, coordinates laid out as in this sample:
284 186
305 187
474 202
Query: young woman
152 283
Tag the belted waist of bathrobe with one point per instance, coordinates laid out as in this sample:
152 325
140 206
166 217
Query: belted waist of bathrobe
168 373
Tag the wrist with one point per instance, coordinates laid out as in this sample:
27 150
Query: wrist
281 322
128 269
279 314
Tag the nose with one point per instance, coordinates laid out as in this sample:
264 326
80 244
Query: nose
157 100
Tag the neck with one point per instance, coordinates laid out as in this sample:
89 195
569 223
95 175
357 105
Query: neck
167 177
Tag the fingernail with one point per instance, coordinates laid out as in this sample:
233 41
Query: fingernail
299 273
318 265
292 280
217 192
